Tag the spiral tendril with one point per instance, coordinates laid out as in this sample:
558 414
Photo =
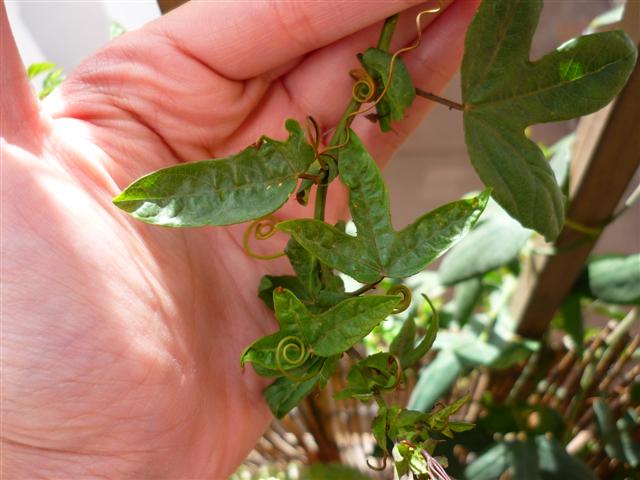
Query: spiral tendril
292 345
262 229
406 297
368 81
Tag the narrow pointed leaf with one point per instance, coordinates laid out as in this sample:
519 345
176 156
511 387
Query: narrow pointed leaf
350 321
245 186
504 92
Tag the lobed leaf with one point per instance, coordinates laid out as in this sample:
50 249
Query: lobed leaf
504 92
245 186
378 250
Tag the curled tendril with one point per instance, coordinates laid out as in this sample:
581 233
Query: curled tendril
406 297
365 88
381 467
262 229
292 345
368 82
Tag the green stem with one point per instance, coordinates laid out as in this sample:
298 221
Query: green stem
444 101
387 32
336 139
384 42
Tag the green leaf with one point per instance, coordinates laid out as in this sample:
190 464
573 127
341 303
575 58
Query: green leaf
242 187
342 326
413 356
493 243
326 334
379 250
116 29
284 394
571 321
504 92
524 460
490 464
614 278
400 94
50 82
375 374
555 463
268 283
36 69
435 381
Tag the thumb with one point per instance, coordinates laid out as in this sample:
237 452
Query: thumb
19 107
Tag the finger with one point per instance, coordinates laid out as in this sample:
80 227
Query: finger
18 104
241 40
307 87
320 86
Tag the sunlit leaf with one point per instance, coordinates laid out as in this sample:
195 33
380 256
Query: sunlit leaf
245 186
379 250
504 92
400 93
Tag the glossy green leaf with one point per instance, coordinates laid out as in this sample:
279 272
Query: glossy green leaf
615 278
245 186
379 250
414 355
493 243
326 334
627 426
399 95
571 321
435 381
350 321
504 92
268 283
402 343
284 394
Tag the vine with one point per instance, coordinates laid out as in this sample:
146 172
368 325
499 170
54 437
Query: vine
320 322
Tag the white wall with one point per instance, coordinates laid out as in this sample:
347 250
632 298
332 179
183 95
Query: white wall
64 32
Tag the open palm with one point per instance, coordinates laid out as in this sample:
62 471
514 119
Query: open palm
121 341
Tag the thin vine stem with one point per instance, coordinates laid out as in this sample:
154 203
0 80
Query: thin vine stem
443 101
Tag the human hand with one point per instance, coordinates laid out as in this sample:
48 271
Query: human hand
121 341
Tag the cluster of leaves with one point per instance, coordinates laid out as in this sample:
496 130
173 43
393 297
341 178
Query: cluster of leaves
503 92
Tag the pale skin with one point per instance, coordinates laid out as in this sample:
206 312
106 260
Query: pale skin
121 341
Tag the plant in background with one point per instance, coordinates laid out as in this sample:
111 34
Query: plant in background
503 93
